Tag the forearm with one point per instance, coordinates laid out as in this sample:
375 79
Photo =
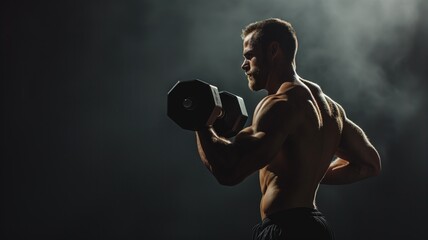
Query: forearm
215 153
342 171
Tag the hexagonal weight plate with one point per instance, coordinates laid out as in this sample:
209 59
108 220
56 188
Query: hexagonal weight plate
193 104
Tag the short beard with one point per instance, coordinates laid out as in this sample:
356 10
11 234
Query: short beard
256 82
258 79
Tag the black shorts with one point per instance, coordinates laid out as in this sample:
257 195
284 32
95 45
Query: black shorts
296 223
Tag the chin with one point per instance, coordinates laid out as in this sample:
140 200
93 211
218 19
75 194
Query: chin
251 85
254 85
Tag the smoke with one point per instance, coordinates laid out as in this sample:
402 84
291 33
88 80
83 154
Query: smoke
89 145
360 52
365 44
356 50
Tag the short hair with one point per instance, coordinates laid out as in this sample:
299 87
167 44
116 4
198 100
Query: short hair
273 29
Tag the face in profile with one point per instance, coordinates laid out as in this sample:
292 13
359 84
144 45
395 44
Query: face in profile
254 64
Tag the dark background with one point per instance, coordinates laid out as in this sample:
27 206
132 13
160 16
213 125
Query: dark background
89 153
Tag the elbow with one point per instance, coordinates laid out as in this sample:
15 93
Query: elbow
226 178
377 166
377 169
227 182
374 169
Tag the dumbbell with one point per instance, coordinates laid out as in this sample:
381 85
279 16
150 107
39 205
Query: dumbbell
195 104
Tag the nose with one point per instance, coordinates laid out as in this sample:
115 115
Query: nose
245 66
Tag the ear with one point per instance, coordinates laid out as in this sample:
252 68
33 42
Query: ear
274 49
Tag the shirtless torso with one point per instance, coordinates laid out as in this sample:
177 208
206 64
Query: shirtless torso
299 138
296 132
292 141
292 178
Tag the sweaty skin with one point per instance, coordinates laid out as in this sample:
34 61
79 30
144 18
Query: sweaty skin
296 132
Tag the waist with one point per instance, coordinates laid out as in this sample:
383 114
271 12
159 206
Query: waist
276 200
294 213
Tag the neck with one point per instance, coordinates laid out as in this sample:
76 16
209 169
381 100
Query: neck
279 77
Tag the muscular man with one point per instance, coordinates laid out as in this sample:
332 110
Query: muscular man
295 133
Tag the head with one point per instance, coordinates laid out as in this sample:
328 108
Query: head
269 45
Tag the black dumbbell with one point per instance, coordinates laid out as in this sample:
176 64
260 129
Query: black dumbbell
195 104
